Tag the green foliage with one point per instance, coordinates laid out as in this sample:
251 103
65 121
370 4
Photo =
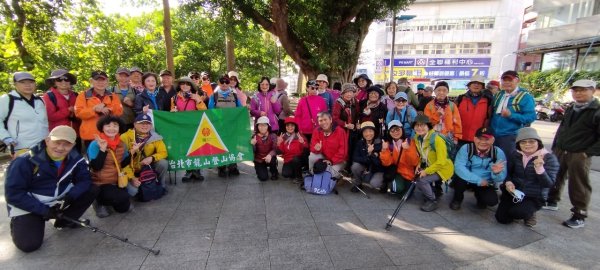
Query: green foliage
86 40
540 83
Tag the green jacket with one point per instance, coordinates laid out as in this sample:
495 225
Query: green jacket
580 132
437 161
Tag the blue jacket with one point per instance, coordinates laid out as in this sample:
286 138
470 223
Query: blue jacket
328 99
475 169
505 126
406 117
27 192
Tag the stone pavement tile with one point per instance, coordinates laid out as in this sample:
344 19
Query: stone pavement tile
198 240
285 230
185 265
109 262
140 230
247 206
358 201
329 202
417 255
239 258
242 225
208 223
307 266
70 242
33 261
411 217
397 238
355 251
287 214
8 251
337 222
243 190
227 242
511 236
176 259
298 250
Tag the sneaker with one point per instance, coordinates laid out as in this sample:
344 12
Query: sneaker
61 224
187 177
455 205
274 177
101 210
197 175
222 173
552 206
383 189
429 206
438 193
574 222
234 171
532 221
298 181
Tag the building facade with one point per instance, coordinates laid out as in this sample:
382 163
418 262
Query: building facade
566 35
449 40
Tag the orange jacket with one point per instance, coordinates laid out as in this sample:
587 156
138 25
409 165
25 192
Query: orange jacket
408 161
84 110
452 122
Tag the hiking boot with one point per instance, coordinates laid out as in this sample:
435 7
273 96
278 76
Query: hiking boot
187 177
274 176
354 189
383 189
197 175
234 171
61 224
455 205
574 222
438 193
429 206
532 221
298 181
101 210
222 172
552 206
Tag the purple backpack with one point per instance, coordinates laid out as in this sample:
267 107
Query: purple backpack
320 184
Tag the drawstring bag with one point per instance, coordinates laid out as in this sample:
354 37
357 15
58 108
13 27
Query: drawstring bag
150 188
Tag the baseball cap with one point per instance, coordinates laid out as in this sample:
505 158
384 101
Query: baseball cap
494 83
510 74
165 72
21 76
484 132
143 118
136 69
420 86
122 70
400 95
99 73
584 84
63 133
394 123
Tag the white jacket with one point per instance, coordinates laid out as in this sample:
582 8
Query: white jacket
26 125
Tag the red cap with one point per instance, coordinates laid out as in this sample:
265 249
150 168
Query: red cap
495 83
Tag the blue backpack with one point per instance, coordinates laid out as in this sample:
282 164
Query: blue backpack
320 184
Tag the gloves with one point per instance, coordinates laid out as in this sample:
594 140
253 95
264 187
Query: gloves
67 201
54 212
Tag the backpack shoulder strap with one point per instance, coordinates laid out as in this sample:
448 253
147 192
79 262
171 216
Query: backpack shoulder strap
459 99
11 106
432 140
494 154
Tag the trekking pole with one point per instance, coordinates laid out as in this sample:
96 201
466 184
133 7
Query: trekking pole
86 224
411 188
351 182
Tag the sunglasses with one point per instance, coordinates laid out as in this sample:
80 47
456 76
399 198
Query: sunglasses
224 81
63 79
195 77
188 84
205 78
313 87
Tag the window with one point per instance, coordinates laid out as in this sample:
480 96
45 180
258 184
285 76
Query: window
564 60
442 24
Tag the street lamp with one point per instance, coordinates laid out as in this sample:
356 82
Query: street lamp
400 18
278 57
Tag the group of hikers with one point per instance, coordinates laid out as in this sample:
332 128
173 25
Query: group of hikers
98 147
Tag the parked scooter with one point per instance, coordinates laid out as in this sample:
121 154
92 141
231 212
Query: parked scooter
558 111
542 112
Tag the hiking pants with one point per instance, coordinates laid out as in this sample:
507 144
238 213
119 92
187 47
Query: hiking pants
576 167
112 195
508 210
485 195
262 169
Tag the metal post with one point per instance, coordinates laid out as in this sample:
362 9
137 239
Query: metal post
393 47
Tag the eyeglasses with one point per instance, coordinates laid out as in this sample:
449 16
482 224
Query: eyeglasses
63 79
205 78
401 100
195 77
396 129
530 141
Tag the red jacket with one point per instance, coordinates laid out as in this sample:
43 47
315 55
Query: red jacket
334 147
292 149
265 146
340 114
60 114
473 116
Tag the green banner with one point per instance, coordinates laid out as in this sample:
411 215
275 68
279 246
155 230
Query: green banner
205 139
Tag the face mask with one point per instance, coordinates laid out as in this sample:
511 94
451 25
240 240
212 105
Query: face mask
518 196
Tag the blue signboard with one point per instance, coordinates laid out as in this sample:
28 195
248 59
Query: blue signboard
437 68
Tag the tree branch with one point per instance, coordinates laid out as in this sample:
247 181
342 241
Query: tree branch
17 35
249 11
347 18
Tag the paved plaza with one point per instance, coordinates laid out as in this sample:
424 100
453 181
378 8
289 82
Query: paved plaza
241 223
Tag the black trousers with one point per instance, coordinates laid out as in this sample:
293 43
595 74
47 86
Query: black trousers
293 168
112 195
508 210
27 231
485 195
262 169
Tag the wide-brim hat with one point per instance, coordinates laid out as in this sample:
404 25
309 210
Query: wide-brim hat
377 89
322 77
60 73
367 125
263 120
348 87
187 80
477 79
527 133
362 76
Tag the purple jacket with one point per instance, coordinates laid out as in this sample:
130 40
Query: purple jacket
261 102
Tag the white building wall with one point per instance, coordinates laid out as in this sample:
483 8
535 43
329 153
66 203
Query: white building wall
504 37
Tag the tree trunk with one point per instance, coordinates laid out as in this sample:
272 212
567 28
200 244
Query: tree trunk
17 34
230 50
168 37
300 83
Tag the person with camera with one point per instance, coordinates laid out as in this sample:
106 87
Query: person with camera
50 180
531 173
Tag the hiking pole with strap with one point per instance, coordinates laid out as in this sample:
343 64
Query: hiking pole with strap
351 182
410 189
86 224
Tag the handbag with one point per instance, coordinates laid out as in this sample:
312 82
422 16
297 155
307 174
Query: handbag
123 179
149 189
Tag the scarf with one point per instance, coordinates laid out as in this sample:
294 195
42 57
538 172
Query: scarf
112 143
577 107
542 152
475 97
441 103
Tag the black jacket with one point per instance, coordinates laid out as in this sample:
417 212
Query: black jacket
372 161
527 180
143 99
580 132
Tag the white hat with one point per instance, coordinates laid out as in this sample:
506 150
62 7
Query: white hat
584 83
394 123
234 74
65 133
322 77
263 120
477 78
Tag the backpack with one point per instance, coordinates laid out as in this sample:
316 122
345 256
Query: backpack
471 152
11 106
235 98
320 184
515 101
450 146
149 189
52 98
